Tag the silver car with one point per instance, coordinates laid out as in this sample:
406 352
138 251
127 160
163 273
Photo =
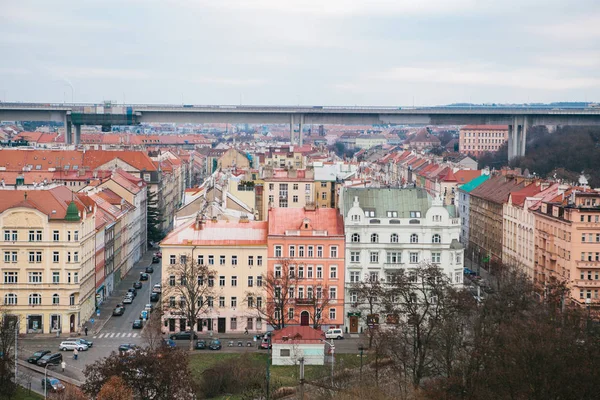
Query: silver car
72 345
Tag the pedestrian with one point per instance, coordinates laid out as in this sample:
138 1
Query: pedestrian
246 331
85 330
75 354
63 365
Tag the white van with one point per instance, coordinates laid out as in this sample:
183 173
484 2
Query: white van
334 334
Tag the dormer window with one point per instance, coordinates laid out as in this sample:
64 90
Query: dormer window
355 218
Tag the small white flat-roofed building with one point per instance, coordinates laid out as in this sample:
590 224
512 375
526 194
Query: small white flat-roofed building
295 342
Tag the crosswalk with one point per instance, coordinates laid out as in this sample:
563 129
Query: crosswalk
115 335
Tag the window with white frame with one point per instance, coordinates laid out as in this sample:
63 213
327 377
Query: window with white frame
320 251
333 272
355 256
221 301
414 238
35 277
374 238
300 271
250 281
332 292
353 297
310 251
319 271
394 238
278 252
55 236
354 276
234 260
172 259
394 257
55 256
436 257
10 299
234 281
300 251
373 276
234 302
333 251
292 251
55 277
414 257
250 260
11 277
436 238
355 238
332 314
309 271
278 271
259 260
35 299
222 260
458 258
55 299
374 257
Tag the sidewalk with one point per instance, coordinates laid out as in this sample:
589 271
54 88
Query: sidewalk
108 305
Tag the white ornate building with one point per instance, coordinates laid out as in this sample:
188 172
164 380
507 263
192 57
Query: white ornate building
392 231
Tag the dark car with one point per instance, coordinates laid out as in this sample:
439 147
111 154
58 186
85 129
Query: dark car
86 342
127 347
51 359
53 384
155 260
143 276
201 345
137 285
183 336
132 291
118 311
215 344
154 297
137 324
37 355
149 269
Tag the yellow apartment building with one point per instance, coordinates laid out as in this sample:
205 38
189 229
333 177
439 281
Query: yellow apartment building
47 258
237 253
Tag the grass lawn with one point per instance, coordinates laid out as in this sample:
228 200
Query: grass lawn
280 375
23 395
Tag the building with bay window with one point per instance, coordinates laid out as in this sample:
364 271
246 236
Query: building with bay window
392 231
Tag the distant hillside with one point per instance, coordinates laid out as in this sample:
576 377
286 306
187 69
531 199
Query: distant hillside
566 152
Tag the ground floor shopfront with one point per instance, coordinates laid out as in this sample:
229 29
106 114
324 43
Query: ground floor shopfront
216 324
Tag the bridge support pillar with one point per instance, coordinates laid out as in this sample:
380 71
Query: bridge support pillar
291 129
68 132
517 137
300 136
77 139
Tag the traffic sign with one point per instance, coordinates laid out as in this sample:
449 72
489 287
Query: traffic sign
92 320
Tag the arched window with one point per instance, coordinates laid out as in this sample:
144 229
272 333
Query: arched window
394 238
436 239
374 238
55 298
35 299
355 238
414 238
10 299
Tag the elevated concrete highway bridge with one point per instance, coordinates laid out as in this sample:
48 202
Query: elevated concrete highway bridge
518 118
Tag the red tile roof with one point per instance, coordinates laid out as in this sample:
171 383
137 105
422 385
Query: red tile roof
518 197
466 175
53 202
298 335
321 219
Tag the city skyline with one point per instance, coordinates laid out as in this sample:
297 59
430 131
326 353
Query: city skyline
263 52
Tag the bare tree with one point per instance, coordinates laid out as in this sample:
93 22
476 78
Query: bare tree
276 285
8 326
188 285
316 301
370 295
152 334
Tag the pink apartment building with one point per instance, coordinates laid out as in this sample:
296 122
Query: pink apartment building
478 139
310 242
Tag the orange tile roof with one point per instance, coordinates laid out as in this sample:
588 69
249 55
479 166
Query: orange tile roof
466 175
137 159
219 233
53 202
298 335
321 219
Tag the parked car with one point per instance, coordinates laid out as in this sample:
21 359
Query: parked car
128 299
127 348
132 291
52 384
265 344
84 341
72 345
155 260
143 276
148 307
50 359
158 254
334 334
215 344
200 344
183 335
170 343
137 285
157 288
137 324
118 311
149 269
35 357
154 297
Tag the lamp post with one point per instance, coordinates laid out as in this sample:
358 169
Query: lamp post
332 346
361 348
46 380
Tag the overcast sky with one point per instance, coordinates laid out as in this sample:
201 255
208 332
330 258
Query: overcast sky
314 52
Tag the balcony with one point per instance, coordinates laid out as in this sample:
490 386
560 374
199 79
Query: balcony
304 302
587 283
394 265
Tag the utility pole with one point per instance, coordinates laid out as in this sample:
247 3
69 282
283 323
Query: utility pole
16 347
301 378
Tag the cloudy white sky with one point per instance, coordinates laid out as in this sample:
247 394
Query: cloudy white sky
319 52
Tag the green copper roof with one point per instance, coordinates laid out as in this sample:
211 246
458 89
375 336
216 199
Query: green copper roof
382 200
72 212
469 186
